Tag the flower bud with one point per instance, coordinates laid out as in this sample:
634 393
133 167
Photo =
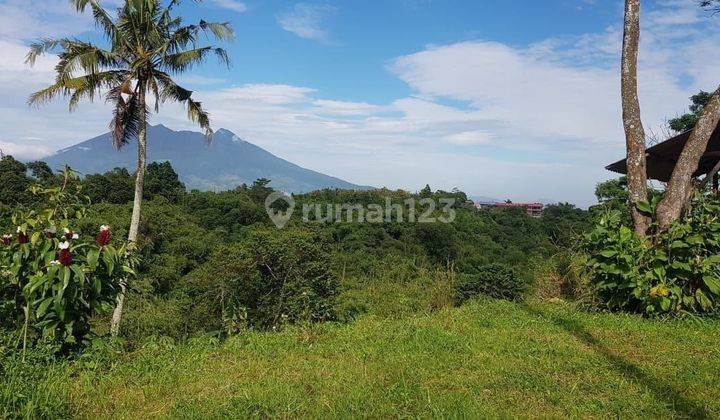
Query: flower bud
103 237
22 236
65 257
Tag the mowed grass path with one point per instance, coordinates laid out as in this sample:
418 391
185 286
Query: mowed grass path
484 359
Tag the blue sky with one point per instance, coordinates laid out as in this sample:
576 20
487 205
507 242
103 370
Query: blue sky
355 40
507 99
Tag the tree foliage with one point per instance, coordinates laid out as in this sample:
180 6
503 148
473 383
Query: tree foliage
687 121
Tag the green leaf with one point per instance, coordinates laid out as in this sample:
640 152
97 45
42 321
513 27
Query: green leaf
43 307
625 233
679 245
79 274
608 253
66 276
703 300
713 259
644 207
665 304
92 258
109 261
713 283
97 285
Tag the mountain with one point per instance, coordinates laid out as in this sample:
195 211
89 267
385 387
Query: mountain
224 163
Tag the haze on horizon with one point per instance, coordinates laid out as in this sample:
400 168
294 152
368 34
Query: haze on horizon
514 100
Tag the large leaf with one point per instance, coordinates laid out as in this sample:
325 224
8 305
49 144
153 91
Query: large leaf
703 300
92 258
644 207
713 283
44 305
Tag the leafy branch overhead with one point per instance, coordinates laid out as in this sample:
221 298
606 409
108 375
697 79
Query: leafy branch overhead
146 46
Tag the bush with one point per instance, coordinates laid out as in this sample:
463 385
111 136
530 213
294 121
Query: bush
147 315
676 271
562 276
392 286
271 278
52 280
494 280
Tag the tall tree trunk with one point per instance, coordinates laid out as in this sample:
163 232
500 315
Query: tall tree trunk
137 203
679 189
634 132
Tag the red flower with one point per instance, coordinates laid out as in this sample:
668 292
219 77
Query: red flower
65 257
103 237
23 238
6 239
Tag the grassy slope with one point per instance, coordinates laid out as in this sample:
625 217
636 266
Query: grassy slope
486 358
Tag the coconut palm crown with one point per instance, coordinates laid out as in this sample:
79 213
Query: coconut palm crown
147 45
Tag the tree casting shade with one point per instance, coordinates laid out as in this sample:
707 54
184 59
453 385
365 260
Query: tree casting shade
662 157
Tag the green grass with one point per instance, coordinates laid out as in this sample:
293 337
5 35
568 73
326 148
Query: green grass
487 358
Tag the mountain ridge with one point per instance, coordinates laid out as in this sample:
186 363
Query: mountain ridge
224 163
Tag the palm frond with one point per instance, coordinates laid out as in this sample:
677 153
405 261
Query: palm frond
221 31
78 87
81 55
179 39
184 60
128 116
199 116
41 47
169 90
101 16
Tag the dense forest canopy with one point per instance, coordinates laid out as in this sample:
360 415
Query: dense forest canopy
188 235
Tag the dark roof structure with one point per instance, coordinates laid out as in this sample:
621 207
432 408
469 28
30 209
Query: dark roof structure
662 157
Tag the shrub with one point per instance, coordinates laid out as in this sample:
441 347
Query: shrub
677 271
392 286
52 280
494 280
272 277
562 276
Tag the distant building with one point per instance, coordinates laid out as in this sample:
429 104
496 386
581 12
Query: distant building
532 209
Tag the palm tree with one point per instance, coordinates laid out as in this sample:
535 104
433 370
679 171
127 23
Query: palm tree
146 45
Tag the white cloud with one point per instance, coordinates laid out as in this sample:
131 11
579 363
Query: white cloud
344 107
306 20
266 94
13 70
32 19
519 122
470 138
234 5
25 151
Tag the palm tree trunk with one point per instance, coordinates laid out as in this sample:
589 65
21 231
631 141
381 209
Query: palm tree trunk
634 132
137 203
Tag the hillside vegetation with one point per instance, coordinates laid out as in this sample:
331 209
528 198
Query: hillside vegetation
228 316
